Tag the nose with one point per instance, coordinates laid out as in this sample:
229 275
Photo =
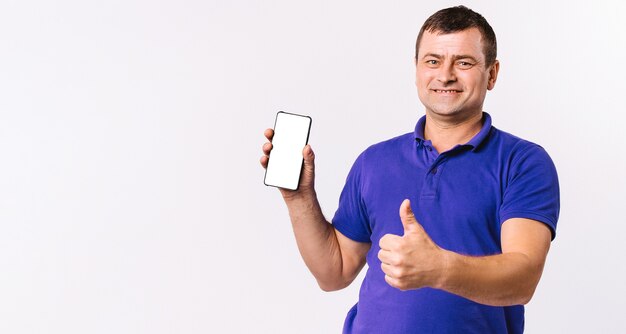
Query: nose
446 74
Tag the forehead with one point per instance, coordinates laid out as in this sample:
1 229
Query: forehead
465 42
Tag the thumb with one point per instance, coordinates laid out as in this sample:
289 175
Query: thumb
309 159
308 170
408 218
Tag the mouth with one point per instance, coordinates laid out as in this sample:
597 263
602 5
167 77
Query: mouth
446 91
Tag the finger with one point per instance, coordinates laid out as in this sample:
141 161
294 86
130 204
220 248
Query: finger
387 269
269 134
384 256
387 241
267 148
391 281
408 218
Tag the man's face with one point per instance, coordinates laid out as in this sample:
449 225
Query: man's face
451 75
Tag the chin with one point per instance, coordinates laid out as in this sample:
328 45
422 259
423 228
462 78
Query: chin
445 112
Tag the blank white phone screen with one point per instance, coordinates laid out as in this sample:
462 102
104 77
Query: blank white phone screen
291 134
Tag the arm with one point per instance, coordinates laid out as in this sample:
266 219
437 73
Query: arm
509 278
333 259
414 261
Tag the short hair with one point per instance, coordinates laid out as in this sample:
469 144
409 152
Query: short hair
459 18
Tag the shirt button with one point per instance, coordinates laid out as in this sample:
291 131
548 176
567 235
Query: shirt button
434 171
429 148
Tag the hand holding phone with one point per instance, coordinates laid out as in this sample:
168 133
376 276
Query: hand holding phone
291 135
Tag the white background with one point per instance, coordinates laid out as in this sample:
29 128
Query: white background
131 198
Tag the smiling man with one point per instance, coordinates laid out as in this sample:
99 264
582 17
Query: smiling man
454 219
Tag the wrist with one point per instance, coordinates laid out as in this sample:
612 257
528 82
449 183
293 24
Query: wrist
448 260
300 195
303 205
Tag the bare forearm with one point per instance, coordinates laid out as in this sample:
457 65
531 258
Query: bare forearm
317 242
498 280
332 258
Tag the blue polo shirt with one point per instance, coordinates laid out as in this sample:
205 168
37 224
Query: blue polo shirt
461 197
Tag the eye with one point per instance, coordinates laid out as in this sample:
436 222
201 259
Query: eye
432 62
465 64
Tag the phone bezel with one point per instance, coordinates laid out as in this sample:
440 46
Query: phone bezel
308 134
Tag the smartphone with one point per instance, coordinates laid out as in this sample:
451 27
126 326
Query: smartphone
291 134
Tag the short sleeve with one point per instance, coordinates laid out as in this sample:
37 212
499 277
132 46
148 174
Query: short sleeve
351 217
532 188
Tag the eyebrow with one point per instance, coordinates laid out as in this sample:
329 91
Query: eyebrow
454 57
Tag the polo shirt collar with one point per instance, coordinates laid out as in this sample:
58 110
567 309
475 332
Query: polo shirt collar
473 143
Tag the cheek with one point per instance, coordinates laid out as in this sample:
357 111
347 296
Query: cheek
421 80
474 82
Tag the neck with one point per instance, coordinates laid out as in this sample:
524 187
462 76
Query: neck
447 133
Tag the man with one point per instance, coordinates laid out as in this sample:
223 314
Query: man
478 207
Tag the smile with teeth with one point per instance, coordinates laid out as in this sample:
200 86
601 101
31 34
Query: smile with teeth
448 91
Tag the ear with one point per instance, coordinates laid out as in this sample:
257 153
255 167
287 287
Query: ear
493 74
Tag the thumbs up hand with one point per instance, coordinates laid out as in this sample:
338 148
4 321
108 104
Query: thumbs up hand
411 261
